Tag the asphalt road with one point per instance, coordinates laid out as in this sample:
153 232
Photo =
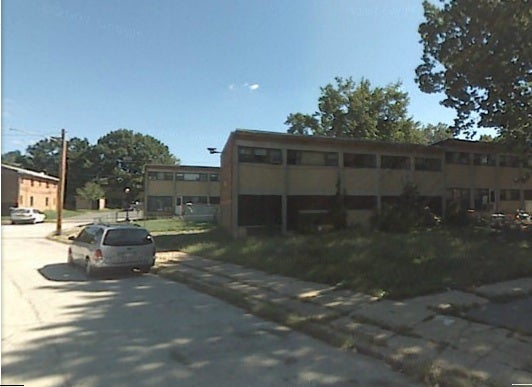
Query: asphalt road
60 328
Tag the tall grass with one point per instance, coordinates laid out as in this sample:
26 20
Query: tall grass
396 265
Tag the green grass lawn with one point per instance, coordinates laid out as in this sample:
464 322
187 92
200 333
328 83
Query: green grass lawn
391 265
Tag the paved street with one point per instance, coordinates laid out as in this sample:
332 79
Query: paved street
61 329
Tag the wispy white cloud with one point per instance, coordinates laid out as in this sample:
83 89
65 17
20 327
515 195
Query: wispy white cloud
247 85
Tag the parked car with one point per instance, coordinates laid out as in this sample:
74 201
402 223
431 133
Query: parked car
118 246
26 215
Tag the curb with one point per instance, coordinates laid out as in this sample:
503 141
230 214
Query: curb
427 370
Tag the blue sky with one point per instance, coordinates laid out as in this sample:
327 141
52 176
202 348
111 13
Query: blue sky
189 72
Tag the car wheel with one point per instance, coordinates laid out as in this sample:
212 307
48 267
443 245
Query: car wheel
90 271
145 269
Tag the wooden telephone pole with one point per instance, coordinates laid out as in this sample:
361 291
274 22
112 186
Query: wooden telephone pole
61 185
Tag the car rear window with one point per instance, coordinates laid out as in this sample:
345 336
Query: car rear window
127 237
21 211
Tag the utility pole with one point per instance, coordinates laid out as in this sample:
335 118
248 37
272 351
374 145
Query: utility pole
61 185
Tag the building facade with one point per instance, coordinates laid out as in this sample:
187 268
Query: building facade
25 188
281 180
191 191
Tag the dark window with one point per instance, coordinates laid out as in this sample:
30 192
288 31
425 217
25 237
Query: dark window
355 160
484 159
459 195
509 161
160 204
214 177
360 202
127 237
31 200
481 198
296 157
160 176
528 194
214 200
509 195
457 158
85 236
194 199
395 162
191 176
259 155
427 164
303 210
259 210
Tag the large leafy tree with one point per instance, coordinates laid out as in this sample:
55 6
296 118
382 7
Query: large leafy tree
114 163
120 157
43 156
80 168
433 133
14 158
479 53
351 109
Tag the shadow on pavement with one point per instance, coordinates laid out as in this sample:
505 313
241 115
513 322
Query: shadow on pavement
63 272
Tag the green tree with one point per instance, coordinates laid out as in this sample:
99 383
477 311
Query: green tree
44 156
120 157
91 191
14 158
80 169
434 133
356 110
479 53
404 215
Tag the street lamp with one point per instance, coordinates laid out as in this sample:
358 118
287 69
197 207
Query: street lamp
213 151
127 190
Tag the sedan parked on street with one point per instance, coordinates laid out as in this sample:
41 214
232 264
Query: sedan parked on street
26 215
116 246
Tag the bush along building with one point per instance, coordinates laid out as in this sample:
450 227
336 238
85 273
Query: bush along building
288 182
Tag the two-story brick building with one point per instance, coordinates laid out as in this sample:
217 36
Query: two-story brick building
274 178
24 188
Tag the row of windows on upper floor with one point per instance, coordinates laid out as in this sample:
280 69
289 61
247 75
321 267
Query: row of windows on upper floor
186 176
32 183
362 160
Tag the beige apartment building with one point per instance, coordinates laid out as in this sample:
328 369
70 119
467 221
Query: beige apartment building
276 179
191 191
25 188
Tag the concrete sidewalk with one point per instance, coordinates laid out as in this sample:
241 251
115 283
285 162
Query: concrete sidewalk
452 338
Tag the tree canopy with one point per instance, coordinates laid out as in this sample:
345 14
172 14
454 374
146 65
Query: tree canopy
351 109
115 162
120 157
479 53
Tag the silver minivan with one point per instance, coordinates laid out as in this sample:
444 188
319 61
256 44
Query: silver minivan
124 246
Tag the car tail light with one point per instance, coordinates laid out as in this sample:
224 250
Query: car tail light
98 255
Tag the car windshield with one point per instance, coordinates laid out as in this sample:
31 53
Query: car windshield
127 237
